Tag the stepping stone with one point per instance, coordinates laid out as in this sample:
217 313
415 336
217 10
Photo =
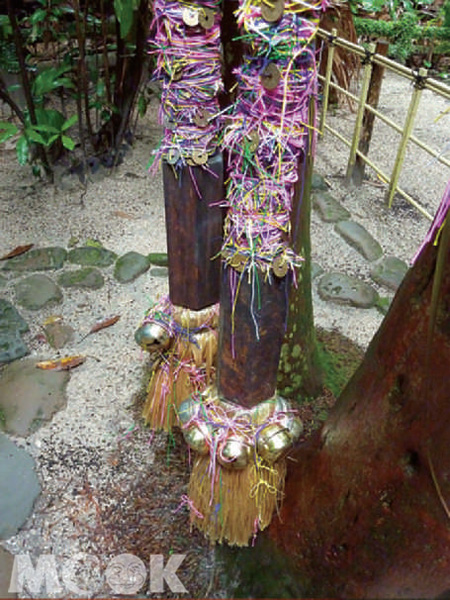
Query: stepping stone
130 266
389 272
12 325
87 278
19 487
342 289
39 259
318 182
91 256
159 258
58 334
359 238
329 208
316 270
6 567
36 291
159 272
3 282
30 396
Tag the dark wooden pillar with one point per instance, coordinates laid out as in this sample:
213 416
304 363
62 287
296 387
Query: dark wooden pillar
194 226
248 361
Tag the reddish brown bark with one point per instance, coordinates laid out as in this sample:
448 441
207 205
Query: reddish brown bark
365 513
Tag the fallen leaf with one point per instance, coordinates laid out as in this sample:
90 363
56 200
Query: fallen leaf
17 251
52 319
61 364
123 215
103 324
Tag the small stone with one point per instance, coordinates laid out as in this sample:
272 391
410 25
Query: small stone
19 487
12 346
10 318
159 258
36 291
329 208
342 289
359 238
382 304
92 256
89 277
159 272
58 334
6 569
316 270
39 259
318 182
130 266
389 272
30 396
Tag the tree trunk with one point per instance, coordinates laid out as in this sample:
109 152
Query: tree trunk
300 373
365 513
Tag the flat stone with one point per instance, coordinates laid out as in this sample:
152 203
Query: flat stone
389 272
316 270
3 282
130 266
19 487
30 396
6 567
159 258
318 182
86 278
10 317
342 289
92 256
359 238
12 346
36 291
58 334
39 259
329 208
159 272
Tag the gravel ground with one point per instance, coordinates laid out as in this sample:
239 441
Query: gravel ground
107 488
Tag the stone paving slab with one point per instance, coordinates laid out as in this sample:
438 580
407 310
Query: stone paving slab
37 291
343 289
389 272
90 256
360 239
38 259
130 266
86 278
330 210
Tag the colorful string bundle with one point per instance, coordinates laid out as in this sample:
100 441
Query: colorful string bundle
187 43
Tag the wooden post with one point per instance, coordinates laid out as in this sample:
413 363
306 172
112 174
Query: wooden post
407 130
194 232
249 355
373 97
361 109
326 85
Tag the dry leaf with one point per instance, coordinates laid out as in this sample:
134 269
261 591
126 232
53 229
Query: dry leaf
17 251
52 319
103 324
123 215
61 364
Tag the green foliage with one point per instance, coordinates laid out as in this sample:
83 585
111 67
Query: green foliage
124 10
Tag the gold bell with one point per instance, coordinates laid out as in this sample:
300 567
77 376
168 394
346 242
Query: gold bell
152 336
197 437
294 426
187 410
273 442
233 453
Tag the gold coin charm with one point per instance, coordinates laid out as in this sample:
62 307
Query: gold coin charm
201 118
280 266
172 156
272 10
177 73
252 141
190 16
271 76
238 262
200 157
206 18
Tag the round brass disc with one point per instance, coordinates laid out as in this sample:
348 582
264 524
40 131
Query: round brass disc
200 157
206 18
201 118
253 141
280 266
190 17
271 76
172 156
238 262
272 10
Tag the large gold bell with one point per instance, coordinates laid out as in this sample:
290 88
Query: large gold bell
273 442
234 453
294 426
152 337
197 437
